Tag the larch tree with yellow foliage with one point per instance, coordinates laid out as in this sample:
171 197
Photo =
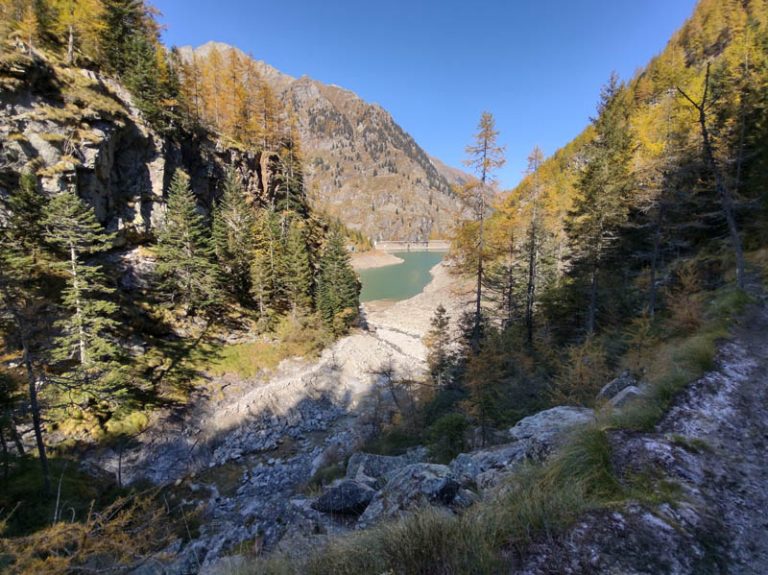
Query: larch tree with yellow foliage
81 23
484 156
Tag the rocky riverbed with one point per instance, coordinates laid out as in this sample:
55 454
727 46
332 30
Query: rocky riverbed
246 450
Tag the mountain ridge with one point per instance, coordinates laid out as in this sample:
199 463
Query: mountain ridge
361 166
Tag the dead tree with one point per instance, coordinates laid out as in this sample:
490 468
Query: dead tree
723 193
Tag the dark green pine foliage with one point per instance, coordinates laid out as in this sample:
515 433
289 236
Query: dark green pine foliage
233 237
142 78
22 299
266 264
290 185
123 19
438 342
601 207
185 255
132 51
88 326
297 270
338 289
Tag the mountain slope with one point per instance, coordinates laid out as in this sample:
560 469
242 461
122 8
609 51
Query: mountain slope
360 165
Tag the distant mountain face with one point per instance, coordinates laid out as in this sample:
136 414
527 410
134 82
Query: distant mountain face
360 165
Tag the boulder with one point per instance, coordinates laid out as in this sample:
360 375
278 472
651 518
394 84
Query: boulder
380 467
345 497
416 485
613 387
626 395
546 430
467 467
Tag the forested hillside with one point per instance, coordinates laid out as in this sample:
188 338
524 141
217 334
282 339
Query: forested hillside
134 239
175 228
623 238
606 283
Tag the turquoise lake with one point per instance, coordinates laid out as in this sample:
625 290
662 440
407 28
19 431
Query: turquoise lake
399 281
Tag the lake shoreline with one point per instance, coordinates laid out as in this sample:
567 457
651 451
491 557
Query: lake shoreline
374 259
402 281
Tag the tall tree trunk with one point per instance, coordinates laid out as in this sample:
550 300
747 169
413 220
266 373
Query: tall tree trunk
592 310
15 437
71 43
723 193
479 289
655 262
81 345
726 201
6 456
533 257
37 423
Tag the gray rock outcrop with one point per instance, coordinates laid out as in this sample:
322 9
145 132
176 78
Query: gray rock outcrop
613 387
416 485
381 467
96 143
626 396
544 431
345 497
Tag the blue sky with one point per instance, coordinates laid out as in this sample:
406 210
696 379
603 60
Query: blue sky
537 65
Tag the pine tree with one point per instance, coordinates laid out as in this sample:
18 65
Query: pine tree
602 205
266 261
485 155
233 237
483 381
71 226
267 116
290 184
723 190
21 297
81 23
297 271
338 289
122 20
185 255
438 342
28 27
533 246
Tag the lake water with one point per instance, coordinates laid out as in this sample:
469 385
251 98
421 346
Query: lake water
399 281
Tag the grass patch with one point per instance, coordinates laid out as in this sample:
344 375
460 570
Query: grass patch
226 477
300 337
35 511
327 475
675 362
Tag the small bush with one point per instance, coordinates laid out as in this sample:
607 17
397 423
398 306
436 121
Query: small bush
582 374
447 436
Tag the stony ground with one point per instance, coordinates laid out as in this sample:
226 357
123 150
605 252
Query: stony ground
247 449
728 410
712 445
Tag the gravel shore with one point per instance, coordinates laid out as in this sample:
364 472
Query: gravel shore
374 259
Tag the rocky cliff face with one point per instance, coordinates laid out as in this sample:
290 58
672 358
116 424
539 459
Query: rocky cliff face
361 166
79 130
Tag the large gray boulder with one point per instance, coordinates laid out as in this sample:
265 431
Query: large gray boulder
534 438
626 396
416 485
345 497
547 430
503 459
380 467
613 387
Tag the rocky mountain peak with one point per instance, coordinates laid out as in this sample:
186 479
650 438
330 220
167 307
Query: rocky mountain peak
360 165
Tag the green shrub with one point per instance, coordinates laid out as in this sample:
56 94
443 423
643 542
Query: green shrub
446 436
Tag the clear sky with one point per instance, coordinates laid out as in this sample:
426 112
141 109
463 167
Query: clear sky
537 65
